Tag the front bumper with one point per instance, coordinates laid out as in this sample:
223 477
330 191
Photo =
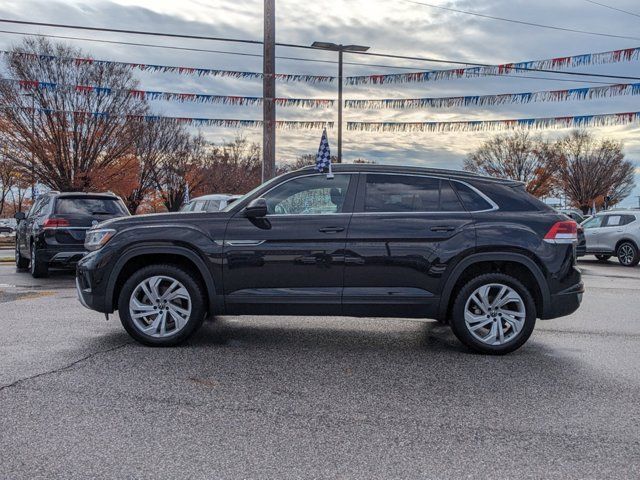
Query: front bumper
564 303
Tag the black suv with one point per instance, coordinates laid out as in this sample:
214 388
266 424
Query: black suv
373 241
52 232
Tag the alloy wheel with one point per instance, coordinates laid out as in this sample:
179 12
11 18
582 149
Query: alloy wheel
626 254
495 314
160 306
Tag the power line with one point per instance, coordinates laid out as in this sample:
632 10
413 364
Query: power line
522 22
291 45
613 8
133 32
204 50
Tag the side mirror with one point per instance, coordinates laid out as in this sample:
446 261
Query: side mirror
19 216
256 209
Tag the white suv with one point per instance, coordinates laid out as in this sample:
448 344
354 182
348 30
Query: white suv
614 232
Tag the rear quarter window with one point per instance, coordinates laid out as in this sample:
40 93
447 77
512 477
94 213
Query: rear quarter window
512 198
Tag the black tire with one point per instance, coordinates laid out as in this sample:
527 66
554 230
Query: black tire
197 304
21 262
459 326
627 253
38 268
603 258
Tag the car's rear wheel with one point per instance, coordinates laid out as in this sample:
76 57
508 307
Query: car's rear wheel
38 268
161 305
628 254
21 262
603 258
493 313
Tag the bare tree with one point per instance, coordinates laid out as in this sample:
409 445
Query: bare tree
233 168
181 169
73 133
517 156
591 169
7 180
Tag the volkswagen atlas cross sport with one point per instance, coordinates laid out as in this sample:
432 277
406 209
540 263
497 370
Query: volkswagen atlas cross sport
373 241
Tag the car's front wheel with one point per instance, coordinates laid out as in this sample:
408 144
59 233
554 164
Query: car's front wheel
627 254
493 313
161 305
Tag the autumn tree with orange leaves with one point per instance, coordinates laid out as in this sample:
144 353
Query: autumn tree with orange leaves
74 135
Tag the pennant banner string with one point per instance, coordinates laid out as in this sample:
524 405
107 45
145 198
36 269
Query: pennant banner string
175 96
603 120
191 121
556 64
585 93
285 77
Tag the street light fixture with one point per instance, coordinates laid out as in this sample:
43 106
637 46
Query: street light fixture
340 49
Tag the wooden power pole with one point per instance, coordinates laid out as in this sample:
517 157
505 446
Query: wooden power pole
269 92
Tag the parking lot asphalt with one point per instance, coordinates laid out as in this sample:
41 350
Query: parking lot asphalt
293 397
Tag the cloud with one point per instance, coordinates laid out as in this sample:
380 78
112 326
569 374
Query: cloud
396 27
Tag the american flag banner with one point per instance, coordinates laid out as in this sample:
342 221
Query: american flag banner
323 158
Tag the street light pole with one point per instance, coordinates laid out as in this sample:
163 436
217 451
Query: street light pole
33 130
340 49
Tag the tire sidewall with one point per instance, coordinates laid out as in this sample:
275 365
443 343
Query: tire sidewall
197 304
636 254
458 324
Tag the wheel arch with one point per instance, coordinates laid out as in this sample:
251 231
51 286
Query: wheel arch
503 262
139 256
623 240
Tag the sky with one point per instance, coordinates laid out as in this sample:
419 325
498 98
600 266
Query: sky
387 26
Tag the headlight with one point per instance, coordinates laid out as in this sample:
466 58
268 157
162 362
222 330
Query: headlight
96 239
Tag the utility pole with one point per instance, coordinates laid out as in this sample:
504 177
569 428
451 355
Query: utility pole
340 49
269 92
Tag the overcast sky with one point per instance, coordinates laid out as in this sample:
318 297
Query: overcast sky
388 26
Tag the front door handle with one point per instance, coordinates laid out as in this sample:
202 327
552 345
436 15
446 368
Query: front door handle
442 228
331 229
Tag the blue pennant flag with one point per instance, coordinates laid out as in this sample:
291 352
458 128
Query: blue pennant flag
323 158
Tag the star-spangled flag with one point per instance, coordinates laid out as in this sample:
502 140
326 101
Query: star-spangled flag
323 158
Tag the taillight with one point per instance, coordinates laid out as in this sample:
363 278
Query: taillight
55 223
562 232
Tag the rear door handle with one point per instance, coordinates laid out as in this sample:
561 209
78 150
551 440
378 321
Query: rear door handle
442 228
331 229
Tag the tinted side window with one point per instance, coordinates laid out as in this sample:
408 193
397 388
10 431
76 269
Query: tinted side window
449 201
618 220
401 193
511 198
471 200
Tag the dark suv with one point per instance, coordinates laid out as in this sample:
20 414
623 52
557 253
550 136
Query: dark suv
373 241
52 232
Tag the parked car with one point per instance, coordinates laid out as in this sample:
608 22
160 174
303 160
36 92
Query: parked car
52 233
382 241
6 228
614 233
573 214
209 203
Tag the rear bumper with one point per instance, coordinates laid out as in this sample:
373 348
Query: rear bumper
564 303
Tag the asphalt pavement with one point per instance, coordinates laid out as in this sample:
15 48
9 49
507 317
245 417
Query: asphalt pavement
292 397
